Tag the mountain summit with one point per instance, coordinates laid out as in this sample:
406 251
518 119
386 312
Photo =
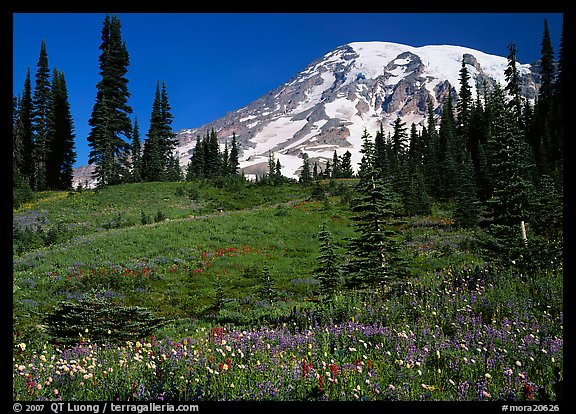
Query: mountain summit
326 107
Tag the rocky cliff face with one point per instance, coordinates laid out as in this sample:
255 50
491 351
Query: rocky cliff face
326 107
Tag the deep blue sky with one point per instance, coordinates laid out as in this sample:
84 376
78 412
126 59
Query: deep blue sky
214 63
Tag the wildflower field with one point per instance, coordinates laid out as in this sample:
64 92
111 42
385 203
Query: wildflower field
211 305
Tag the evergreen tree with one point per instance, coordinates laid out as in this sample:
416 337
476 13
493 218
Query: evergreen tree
153 156
60 130
431 156
336 167
546 214
173 171
21 190
212 156
169 141
399 139
278 170
160 142
225 161
305 175
464 103
346 170
136 151
375 248
109 121
381 153
326 264
40 109
449 151
547 71
558 112
23 135
510 200
196 165
234 164
327 173
513 83
466 209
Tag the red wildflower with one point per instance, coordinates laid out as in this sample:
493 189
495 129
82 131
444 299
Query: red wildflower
321 383
528 391
334 369
305 368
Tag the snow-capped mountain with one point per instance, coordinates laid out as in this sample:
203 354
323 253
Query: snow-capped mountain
359 85
326 107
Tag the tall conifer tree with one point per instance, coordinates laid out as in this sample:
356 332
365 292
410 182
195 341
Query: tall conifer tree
136 151
110 120
60 163
40 109
376 250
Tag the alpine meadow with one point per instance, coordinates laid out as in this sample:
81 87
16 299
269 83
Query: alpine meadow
387 225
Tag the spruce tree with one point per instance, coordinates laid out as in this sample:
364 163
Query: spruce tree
305 175
336 173
136 151
510 201
225 161
449 151
153 157
110 120
346 170
196 167
513 83
59 165
326 264
40 109
464 103
23 135
431 156
234 164
375 249
466 208
213 158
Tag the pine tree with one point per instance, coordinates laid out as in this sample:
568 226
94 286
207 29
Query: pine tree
449 150
196 165
326 264
513 83
21 190
546 214
464 103
234 164
375 248
225 161
40 109
510 200
153 162
160 142
558 113
431 156
23 135
59 165
109 121
136 151
547 71
168 141
173 172
466 209
212 156
305 175
336 167
346 170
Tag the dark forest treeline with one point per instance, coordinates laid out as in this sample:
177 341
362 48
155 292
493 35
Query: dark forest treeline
494 152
